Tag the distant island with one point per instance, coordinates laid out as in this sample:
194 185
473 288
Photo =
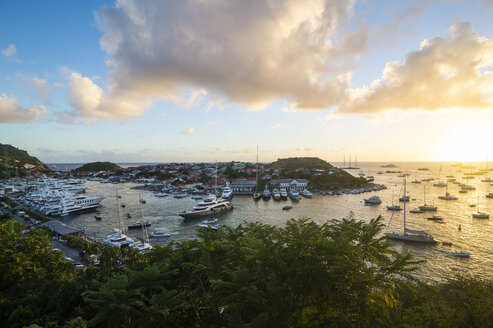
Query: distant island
17 162
98 166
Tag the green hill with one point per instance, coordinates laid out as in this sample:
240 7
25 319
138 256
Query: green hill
98 166
16 160
293 163
321 174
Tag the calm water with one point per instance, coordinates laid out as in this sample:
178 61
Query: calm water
475 236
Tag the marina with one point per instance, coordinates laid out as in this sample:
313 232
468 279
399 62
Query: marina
165 221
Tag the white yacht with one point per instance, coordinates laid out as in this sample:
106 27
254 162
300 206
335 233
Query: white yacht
227 193
373 200
160 234
118 239
284 194
208 206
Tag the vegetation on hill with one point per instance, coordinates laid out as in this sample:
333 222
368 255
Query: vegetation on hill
293 163
340 274
15 162
322 175
98 166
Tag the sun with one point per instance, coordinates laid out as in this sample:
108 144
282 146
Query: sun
467 143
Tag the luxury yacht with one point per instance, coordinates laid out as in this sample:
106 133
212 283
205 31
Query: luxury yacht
306 193
118 239
139 225
208 206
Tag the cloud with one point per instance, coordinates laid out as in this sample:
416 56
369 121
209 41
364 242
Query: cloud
276 126
162 114
454 72
11 111
40 86
89 101
249 53
188 131
10 51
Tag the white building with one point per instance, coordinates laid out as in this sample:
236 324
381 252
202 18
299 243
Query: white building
289 184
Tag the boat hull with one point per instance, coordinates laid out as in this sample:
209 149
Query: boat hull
201 214
410 238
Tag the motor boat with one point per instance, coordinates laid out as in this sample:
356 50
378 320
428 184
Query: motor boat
284 194
139 225
227 193
266 194
276 195
294 195
208 206
159 234
373 200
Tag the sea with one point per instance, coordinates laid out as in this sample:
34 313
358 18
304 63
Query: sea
474 235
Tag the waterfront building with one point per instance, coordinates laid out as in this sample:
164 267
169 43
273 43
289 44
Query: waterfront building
289 184
243 186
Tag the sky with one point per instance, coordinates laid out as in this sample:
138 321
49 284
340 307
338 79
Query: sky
206 80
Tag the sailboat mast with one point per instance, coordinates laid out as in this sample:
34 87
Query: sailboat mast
215 183
118 211
404 206
256 174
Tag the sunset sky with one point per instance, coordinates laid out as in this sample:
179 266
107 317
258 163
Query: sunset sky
205 80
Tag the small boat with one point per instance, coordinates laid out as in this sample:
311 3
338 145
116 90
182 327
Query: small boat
98 217
123 205
472 205
210 221
257 196
416 211
142 200
159 234
373 200
404 199
196 197
284 194
394 208
480 215
287 207
463 191
128 215
139 225
446 243
180 195
306 193
160 194
435 218
460 254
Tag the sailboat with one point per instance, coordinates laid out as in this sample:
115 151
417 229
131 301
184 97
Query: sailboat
447 196
440 183
416 178
256 195
426 207
480 215
417 236
144 244
489 194
394 207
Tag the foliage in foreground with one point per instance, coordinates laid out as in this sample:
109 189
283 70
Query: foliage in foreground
340 274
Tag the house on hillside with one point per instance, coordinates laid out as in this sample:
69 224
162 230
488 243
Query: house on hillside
289 184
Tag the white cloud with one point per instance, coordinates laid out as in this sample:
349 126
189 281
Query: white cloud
250 53
188 131
162 114
276 126
41 86
90 102
11 111
454 72
10 51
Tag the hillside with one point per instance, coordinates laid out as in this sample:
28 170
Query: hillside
293 163
15 158
321 174
98 166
